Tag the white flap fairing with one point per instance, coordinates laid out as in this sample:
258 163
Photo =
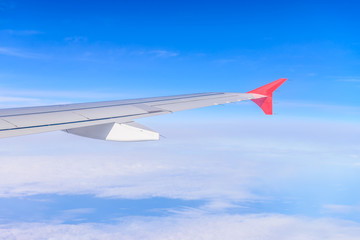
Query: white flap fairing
123 132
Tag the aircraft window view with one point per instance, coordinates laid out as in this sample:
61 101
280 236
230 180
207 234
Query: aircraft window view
179 120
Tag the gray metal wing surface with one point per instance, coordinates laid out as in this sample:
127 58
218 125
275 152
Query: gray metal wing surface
109 120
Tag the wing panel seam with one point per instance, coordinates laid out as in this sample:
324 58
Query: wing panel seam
64 123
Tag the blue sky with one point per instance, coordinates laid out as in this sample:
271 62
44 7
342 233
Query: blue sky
220 172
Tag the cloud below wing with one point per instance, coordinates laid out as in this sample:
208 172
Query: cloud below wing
251 227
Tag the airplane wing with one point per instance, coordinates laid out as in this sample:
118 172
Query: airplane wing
113 120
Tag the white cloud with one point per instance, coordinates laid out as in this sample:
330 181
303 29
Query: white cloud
159 53
19 53
21 32
334 108
164 53
76 39
341 208
225 61
210 227
31 97
212 161
222 165
16 99
354 79
123 176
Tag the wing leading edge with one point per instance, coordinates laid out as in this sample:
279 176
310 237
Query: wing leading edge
113 120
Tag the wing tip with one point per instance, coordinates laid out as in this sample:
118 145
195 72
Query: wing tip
266 103
269 88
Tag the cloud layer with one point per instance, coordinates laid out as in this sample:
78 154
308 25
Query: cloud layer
225 166
232 162
251 227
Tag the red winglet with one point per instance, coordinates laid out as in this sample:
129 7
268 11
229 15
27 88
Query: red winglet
267 90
